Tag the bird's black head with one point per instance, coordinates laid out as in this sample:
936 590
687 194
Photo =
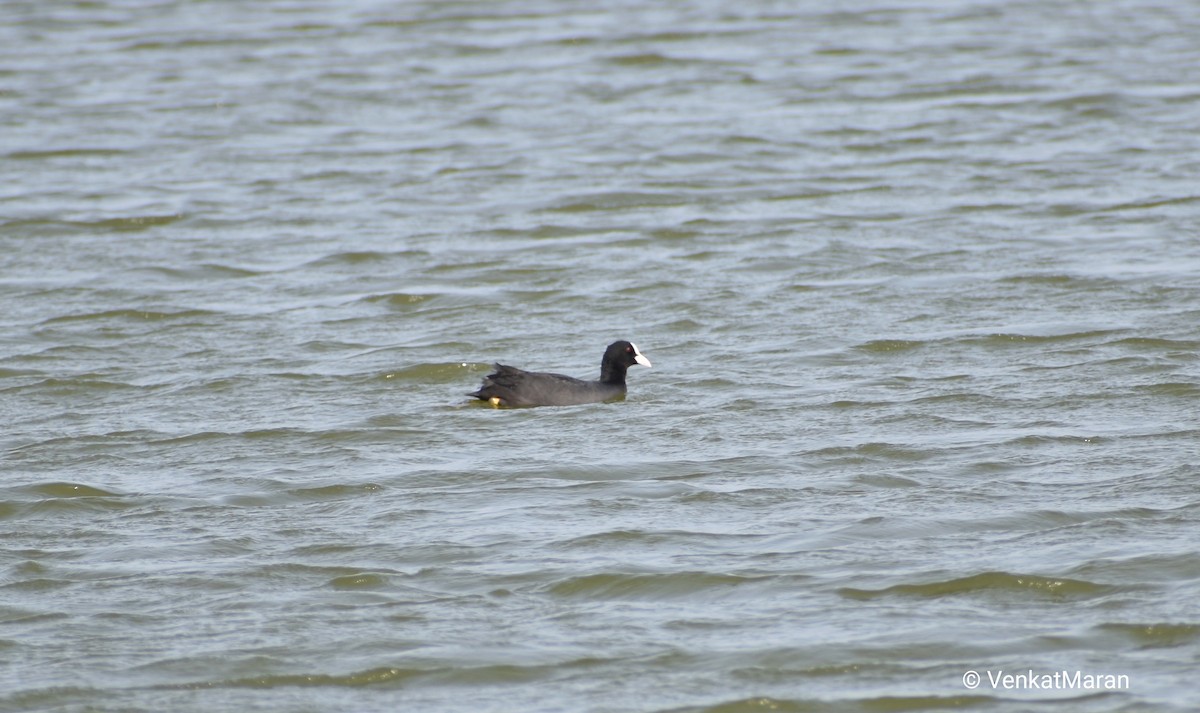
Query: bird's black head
617 358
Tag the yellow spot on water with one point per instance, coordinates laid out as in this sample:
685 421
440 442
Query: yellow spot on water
494 401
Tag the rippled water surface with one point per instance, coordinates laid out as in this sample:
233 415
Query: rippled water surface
919 281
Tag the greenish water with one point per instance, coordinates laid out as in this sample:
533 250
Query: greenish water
919 284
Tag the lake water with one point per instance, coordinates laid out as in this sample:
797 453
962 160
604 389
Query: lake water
920 282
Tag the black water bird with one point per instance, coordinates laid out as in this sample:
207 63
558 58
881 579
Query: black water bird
512 387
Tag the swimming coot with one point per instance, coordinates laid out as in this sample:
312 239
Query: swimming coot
510 386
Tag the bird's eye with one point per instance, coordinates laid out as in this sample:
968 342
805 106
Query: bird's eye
628 350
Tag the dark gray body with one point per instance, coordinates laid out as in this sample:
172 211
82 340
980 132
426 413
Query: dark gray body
515 387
